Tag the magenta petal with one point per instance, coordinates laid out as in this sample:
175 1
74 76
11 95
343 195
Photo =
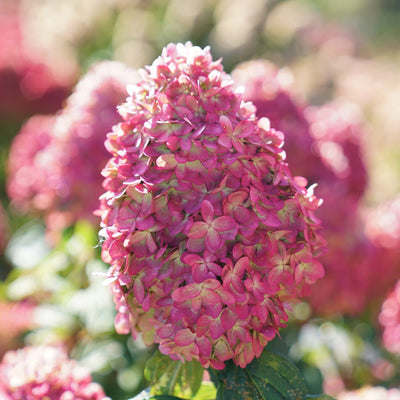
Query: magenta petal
225 123
228 318
198 230
200 273
204 346
213 240
184 337
138 289
225 224
225 141
216 329
207 211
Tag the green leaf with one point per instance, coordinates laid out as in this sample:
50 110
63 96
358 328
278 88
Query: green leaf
169 377
207 391
270 377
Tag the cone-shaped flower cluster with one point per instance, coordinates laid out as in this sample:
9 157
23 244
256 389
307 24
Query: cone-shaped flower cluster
55 162
45 372
206 231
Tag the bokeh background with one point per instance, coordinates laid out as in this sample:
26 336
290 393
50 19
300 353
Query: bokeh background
345 52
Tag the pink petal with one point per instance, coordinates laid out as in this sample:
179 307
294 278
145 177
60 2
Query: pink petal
226 124
204 346
228 318
200 273
216 329
207 211
138 289
309 272
191 291
213 240
225 141
166 161
198 230
225 224
223 351
185 337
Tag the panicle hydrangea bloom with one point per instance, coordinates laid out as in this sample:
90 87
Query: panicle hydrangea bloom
389 318
17 317
28 83
206 231
382 228
45 372
323 144
61 173
371 393
28 184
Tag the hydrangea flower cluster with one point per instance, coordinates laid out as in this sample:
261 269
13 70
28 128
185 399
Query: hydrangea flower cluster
389 318
28 83
323 144
371 393
17 317
28 184
206 231
45 372
59 172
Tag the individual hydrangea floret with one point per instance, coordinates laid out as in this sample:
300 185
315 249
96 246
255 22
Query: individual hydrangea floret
60 175
45 372
207 233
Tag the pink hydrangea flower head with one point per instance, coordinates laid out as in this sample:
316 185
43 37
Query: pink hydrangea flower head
337 130
79 133
60 174
29 82
350 272
206 231
382 228
371 393
28 182
389 318
45 372
16 318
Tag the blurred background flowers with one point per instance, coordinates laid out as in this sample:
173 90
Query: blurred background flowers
324 72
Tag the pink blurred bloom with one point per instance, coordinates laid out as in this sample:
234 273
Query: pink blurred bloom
15 317
195 182
370 393
28 83
4 229
45 372
60 175
28 182
389 318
